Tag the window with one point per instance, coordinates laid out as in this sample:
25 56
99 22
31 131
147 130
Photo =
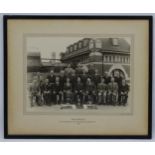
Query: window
118 59
80 44
71 48
115 42
75 47
107 58
98 43
128 60
91 44
85 42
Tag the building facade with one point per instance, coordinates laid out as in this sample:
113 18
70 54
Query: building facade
105 54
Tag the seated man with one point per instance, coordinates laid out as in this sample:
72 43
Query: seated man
101 89
34 93
113 89
67 90
124 89
79 91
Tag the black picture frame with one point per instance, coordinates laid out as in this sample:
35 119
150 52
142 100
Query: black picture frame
81 17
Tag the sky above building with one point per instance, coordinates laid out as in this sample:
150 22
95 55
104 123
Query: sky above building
48 45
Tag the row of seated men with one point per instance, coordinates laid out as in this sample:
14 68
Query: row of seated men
79 89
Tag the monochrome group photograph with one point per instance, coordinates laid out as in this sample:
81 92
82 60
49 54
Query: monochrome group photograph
78 72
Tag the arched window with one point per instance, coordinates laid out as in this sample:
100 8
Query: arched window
98 43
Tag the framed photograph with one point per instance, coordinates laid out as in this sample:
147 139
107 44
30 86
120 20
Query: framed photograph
86 77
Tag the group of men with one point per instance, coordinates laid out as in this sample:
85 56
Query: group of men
77 86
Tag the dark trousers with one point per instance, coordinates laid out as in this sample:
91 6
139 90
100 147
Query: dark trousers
123 99
78 97
47 98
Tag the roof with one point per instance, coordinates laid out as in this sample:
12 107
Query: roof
122 46
33 54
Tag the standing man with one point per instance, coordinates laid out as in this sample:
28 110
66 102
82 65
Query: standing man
113 87
107 78
124 89
101 89
51 79
79 92
96 78
67 90
57 91
90 91
79 70
34 93
47 92
68 71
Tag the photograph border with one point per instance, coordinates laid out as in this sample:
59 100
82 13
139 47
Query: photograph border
81 17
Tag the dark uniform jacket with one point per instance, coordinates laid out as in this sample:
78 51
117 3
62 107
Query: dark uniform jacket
57 87
91 72
102 87
96 79
67 87
51 80
46 88
118 80
79 71
107 79
79 86
124 89
90 87
84 79
34 89
113 87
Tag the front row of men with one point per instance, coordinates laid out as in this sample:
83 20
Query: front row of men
78 93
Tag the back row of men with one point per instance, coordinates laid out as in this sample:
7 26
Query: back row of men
79 89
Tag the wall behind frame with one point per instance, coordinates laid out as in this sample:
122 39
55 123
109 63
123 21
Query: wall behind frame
1 84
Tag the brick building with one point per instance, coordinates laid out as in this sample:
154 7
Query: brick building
105 54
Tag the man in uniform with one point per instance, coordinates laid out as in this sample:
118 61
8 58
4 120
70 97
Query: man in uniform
68 71
51 81
107 78
90 91
118 80
91 71
124 89
79 70
47 92
57 90
79 92
113 88
67 90
73 80
34 93
96 78
101 89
